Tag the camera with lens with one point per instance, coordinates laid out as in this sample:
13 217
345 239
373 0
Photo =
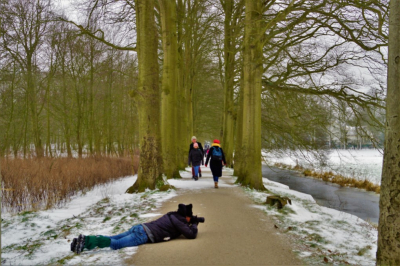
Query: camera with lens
196 220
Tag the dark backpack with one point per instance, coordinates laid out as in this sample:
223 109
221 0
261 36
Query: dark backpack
217 154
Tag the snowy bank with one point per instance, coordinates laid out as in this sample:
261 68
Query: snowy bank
44 237
362 164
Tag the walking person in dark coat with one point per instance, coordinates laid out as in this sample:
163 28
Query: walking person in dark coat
216 154
196 158
167 227
194 140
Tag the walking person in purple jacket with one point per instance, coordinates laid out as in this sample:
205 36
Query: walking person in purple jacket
167 227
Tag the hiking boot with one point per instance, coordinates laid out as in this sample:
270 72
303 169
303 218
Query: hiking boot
216 184
80 245
73 244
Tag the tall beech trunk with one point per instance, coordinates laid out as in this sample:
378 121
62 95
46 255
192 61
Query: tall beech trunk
389 218
250 171
187 70
169 121
148 99
239 132
229 59
182 115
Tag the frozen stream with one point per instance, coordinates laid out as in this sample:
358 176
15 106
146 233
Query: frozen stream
358 202
361 164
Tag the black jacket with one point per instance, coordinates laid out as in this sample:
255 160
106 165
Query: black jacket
215 165
200 147
170 226
196 157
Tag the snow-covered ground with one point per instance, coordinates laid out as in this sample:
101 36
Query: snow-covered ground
320 232
362 164
44 237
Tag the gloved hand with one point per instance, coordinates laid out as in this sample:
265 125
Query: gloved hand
205 165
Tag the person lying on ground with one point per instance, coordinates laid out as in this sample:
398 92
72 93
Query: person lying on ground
167 227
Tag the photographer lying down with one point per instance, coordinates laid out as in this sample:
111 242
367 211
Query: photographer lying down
167 227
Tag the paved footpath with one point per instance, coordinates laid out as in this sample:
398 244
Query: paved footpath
234 233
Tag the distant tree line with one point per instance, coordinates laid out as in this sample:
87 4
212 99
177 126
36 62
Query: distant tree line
64 92
273 75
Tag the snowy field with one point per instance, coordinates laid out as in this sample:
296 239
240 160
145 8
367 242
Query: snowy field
362 164
43 238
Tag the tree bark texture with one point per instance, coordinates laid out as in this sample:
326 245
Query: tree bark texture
239 133
250 174
169 113
389 218
150 164
229 59
183 136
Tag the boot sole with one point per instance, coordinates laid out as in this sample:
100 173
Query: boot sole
73 244
80 244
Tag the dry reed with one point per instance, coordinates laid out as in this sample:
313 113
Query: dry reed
334 178
33 184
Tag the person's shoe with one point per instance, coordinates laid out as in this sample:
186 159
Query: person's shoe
216 184
80 244
199 174
73 244
196 178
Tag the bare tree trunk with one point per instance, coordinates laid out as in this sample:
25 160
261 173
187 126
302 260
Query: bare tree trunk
187 70
389 218
169 123
49 83
229 59
182 115
6 141
238 167
32 102
150 165
67 131
250 174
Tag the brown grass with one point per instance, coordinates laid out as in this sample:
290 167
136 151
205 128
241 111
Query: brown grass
32 184
334 178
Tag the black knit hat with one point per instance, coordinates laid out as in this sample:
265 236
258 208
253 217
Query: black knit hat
182 209
189 211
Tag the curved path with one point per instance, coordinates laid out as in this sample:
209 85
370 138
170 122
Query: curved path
234 233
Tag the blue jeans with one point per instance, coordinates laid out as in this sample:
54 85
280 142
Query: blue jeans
216 178
133 237
196 170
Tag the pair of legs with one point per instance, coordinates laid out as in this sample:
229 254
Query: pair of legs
193 171
196 170
133 237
